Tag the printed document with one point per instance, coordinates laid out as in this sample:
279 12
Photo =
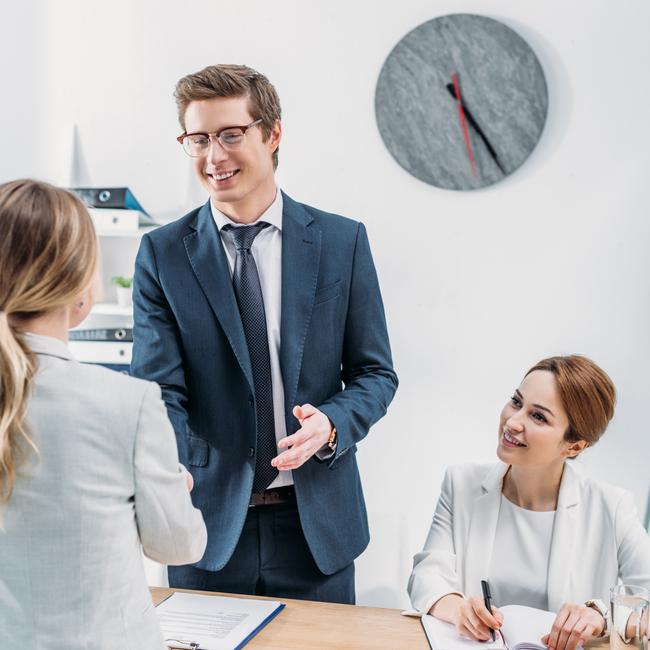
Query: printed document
213 622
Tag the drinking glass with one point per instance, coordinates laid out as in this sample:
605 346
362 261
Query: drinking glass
629 606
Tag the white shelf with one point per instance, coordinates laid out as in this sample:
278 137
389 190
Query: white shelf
102 351
124 232
111 309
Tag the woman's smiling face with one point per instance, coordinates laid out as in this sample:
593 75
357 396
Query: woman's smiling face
533 424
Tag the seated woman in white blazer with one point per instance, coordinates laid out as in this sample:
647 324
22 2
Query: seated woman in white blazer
88 461
542 533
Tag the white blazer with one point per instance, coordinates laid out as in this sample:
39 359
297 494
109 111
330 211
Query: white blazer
106 480
597 538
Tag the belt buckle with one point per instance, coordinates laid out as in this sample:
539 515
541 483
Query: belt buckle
271 497
258 499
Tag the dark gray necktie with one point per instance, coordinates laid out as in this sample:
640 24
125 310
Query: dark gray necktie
248 292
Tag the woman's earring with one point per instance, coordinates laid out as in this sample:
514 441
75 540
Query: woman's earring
80 304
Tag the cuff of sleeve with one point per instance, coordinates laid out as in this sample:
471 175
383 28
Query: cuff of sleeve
326 452
337 419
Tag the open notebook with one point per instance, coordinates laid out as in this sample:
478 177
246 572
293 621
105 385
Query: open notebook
523 628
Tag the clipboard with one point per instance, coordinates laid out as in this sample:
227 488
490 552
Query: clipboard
199 622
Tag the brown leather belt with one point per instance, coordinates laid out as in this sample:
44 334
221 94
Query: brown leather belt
272 497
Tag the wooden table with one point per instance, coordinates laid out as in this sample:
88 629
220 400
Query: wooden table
308 625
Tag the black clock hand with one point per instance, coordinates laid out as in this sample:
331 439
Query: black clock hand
477 128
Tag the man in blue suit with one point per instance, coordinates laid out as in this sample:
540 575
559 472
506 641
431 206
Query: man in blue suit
262 321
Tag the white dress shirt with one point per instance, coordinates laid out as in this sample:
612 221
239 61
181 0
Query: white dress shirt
267 253
522 546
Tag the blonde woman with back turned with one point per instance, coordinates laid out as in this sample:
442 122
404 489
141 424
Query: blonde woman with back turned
88 462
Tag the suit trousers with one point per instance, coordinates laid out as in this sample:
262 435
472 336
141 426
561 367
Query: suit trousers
271 558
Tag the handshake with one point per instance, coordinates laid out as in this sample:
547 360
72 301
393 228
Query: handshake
188 477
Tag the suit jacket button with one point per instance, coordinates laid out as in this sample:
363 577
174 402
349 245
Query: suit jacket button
251 452
250 400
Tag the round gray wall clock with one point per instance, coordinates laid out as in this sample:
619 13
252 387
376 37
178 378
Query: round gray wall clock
461 101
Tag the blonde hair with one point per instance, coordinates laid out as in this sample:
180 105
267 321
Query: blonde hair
48 252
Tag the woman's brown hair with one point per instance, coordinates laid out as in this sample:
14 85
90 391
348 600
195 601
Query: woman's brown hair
587 393
48 252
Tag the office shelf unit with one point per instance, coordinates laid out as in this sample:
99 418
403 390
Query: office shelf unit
118 249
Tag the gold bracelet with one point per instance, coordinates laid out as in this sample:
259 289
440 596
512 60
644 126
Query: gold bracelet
331 443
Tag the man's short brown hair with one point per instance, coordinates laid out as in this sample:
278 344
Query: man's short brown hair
232 81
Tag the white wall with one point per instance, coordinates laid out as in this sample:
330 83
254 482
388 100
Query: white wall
21 99
477 286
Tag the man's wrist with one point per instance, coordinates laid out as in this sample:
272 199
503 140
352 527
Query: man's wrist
331 441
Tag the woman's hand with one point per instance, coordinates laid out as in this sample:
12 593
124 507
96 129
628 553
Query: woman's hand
469 615
574 625
473 620
189 479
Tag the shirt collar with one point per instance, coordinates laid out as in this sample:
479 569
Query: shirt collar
272 215
47 345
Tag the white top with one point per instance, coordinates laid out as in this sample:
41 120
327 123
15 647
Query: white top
267 253
597 538
519 567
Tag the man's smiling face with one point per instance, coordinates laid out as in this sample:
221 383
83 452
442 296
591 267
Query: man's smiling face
233 178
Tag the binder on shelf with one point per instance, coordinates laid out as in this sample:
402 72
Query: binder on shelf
109 202
102 352
111 219
108 197
102 334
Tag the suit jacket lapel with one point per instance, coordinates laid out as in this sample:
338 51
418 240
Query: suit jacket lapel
301 247
210 265
563 540
482 530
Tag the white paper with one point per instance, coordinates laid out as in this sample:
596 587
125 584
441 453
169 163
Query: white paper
523 628
214 622
443 636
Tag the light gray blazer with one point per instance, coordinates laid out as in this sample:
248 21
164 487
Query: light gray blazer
107 479
597 538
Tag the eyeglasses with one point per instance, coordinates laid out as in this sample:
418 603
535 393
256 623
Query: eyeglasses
230 138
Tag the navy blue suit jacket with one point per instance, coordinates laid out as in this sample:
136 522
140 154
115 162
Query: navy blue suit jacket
334 354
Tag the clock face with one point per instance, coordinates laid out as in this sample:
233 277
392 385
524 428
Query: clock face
461 101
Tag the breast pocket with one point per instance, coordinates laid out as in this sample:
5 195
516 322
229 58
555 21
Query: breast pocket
328 292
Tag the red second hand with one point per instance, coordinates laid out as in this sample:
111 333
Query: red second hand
463 123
